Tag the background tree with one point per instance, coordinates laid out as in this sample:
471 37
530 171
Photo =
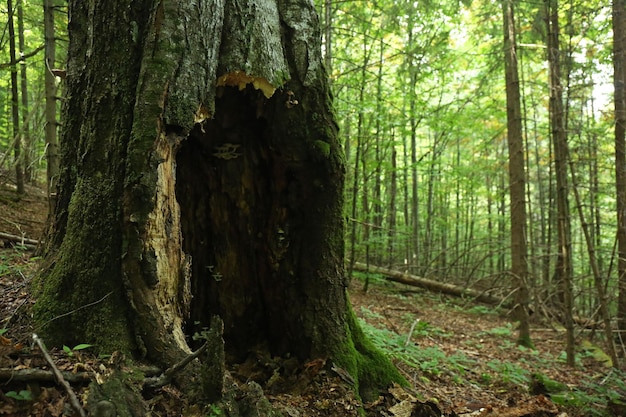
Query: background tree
517 176
25 134
15 106
564 268
619 74
50 87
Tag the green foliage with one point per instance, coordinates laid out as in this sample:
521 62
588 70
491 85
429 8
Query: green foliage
373 278
545 384
430 360
510 373
23 395
563 358
13 261
503 331
592 397
214 411
482 310
71 351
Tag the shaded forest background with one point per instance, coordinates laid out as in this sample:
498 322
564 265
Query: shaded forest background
420 96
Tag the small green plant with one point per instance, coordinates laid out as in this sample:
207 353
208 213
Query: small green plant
563 358
482 310
3 331
72 351
544 384
510 373
23 395
424 329
486 378
363 276
430 360
215 411
370 314
502 331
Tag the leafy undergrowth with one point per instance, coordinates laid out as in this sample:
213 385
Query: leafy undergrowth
461 359
464 356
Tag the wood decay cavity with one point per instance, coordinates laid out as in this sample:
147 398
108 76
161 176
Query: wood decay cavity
163 243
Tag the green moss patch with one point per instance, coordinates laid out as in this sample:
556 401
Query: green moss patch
370 368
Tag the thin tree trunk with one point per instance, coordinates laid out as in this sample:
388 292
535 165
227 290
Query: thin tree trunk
328 36
28 150
52 152
377 203
15 104
564 269
517 177
414 231
457 210
406 201
427 247
357 161
490 231
502 264
391 218
619 65
597 278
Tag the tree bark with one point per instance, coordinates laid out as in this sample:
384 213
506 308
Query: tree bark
15 104
27 140
52 152
564 269
202 177
517 177
619 67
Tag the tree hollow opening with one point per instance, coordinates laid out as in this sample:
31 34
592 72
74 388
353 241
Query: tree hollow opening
236 197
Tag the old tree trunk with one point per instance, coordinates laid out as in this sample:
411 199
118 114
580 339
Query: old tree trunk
201 176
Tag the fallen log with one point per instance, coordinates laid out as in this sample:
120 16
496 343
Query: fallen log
434 286
28 243
8 375
34 374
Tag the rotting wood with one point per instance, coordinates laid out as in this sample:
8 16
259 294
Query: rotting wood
434 286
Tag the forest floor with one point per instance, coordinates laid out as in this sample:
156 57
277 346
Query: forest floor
459 358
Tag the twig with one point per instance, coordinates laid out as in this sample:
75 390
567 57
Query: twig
74 311
408 338
167 375
59 377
